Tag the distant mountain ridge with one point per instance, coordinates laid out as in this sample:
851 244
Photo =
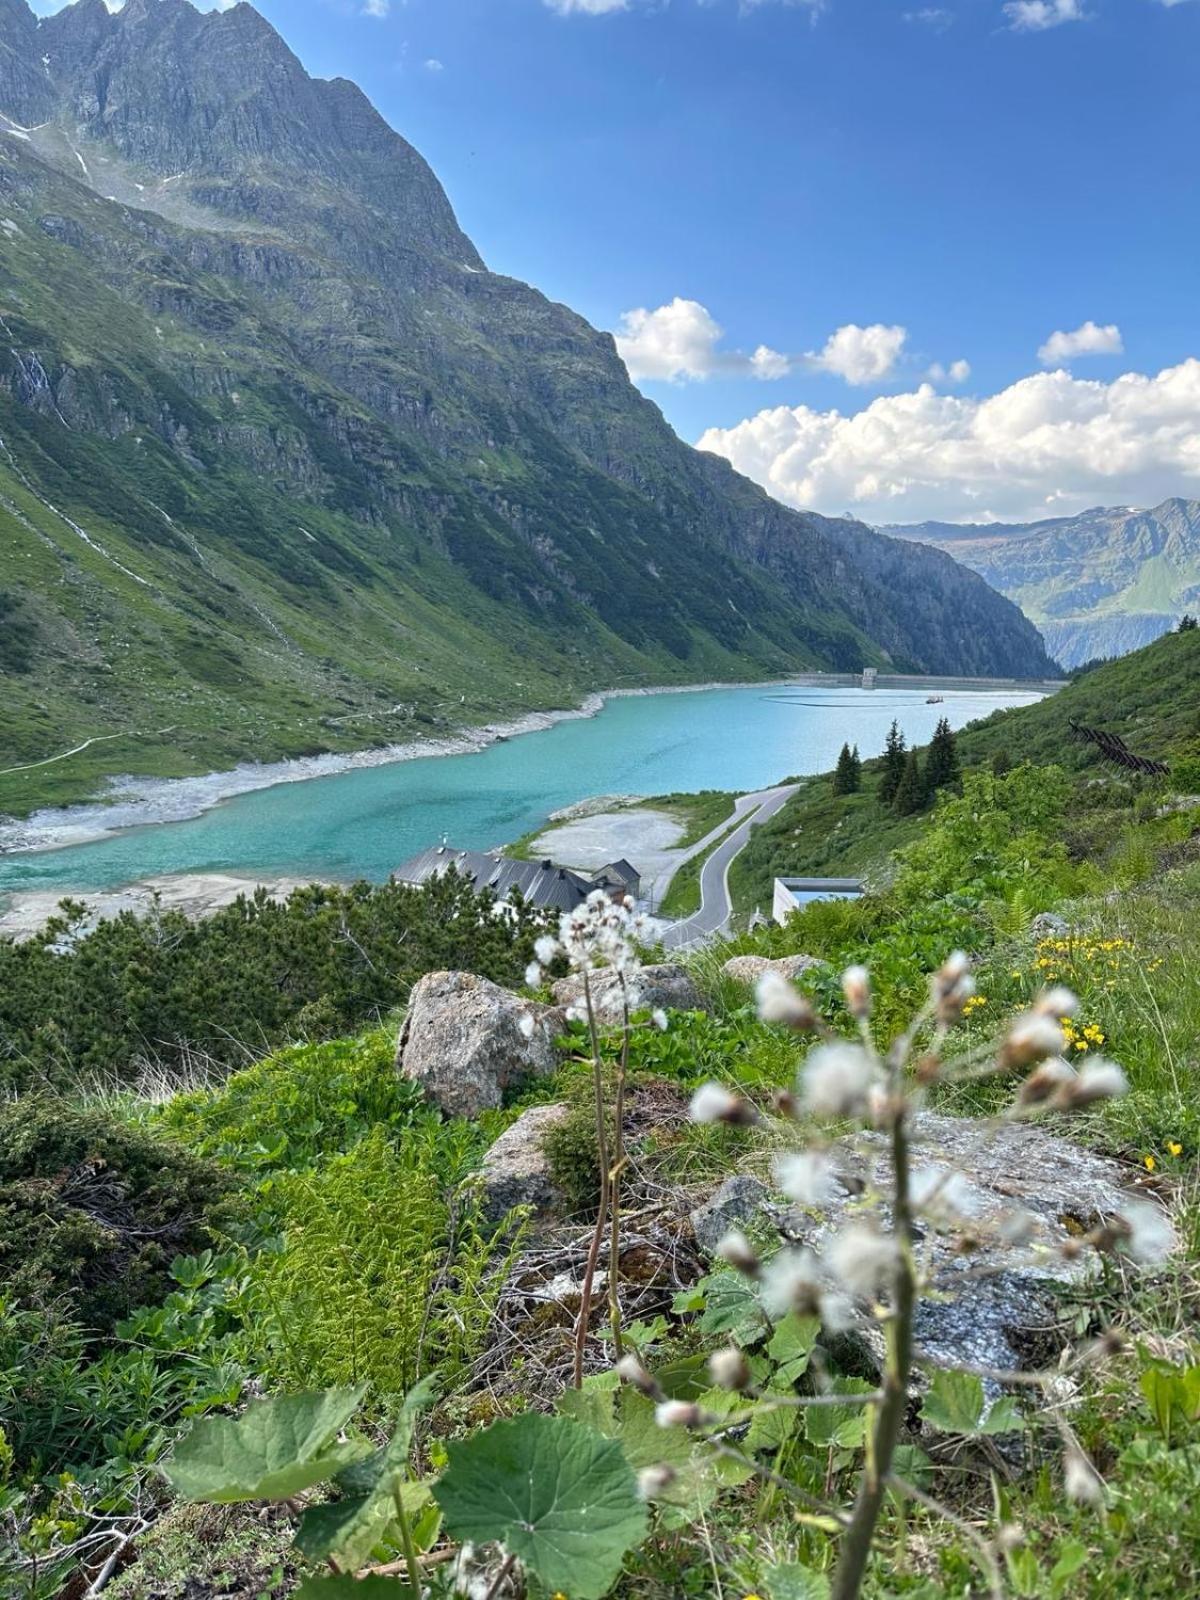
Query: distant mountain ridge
285 464
1099 584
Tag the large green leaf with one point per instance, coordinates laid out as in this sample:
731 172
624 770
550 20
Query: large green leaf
276 1449
790 1581
792 1344
347 1530
555 1493
842 1426
955 1403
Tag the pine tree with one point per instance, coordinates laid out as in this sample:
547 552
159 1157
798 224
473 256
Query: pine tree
847 775
910 795
1002 762
856 759
893 764
941 765
1187 624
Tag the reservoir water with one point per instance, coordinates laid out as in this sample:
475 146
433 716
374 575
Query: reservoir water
363 823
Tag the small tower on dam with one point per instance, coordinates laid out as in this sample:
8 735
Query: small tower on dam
868 677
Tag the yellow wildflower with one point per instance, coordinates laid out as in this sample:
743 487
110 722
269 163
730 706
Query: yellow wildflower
1174 1148
1149 1163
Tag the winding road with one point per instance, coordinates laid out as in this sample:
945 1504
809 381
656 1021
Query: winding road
716 907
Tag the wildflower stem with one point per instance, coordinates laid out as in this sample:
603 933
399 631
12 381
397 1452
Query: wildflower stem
407 1544
618 1163
593 1257
856 1542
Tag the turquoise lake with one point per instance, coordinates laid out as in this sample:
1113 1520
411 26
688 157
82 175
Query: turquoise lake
363 823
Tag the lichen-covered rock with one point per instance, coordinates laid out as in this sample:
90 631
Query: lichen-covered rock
996 1304
662 987
516 1171
465 1040
749 969
737 1202
1049 925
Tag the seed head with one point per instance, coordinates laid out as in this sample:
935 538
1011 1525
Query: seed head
856 986
1057 1002
656 1480
837 1079
735 1249
780 1001
1031 1038
806 1177
1082 1482
863 1260
631 1371
728 1368
678 1414
713 1103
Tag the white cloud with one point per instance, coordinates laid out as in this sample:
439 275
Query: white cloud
861 355
1035 16
1086 340
956 372
935 17
434 65
586 8
676 342
376 8
769 364
1049 444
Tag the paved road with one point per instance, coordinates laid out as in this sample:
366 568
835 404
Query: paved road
715 905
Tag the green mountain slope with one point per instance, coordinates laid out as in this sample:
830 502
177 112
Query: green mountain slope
1099 584
285 467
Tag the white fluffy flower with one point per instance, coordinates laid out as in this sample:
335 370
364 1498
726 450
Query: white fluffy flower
1151 1237
780 1001
656 1480
856 986
791 1281
1099 1079
728 1368
1081 1480
734 1248
526 1024
862 1260
546 948
1057 1002
943 1192
806 1176
659 1018
533 975
678 1414
837 1079
712 1103
630 1370
1031 1038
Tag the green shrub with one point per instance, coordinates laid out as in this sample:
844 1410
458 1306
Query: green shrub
92 1210
300 1104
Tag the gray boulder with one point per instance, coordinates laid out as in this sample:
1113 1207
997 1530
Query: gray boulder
1049 925
515 1171
664 986
749 969
465 1040
995 1305
739 1201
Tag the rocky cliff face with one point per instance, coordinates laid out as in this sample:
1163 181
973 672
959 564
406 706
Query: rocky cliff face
1101 584
235 299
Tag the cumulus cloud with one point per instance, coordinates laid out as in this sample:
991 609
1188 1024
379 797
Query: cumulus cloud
956 372
1035 16
1050 444
376 8
675 342
935 17
434 65
1086 340
861 355
586 8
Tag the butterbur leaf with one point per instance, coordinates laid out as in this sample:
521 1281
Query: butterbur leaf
273 1451
956 1403
842 1426
557 1494
792 1344
731 1305
348 1530
791 1581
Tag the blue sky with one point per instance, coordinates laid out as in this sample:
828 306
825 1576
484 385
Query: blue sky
945 184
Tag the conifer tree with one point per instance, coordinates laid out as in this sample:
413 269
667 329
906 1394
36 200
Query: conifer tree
910 795
893 764
941 765
848 773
